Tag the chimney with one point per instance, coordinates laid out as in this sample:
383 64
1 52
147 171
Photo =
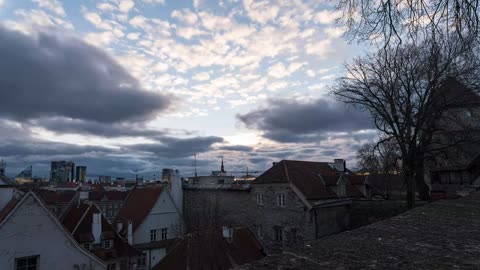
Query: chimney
274 163
340 165
84 194
97 228
129 233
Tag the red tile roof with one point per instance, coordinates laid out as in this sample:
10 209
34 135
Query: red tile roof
138 205
81 229
7 208
111 195
73 216
198 252
55 197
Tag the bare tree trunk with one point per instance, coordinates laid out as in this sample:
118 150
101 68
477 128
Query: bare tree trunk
409 177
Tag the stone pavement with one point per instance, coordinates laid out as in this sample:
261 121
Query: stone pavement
440 235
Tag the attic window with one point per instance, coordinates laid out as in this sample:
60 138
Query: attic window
107 244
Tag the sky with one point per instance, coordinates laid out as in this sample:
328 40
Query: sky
123 86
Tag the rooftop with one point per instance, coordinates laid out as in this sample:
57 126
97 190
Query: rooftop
311 178
440 235
139 196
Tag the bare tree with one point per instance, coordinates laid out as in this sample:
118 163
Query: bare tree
380 158
402 87
396 20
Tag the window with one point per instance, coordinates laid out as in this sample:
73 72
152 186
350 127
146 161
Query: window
342 192
164 233
153 235
107 244
111 266
281 199
278 233
142 259
221 181
260 198
26 263
260 231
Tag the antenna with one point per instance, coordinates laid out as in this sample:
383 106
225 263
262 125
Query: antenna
195 164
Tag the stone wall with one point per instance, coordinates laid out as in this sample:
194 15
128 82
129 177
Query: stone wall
207 207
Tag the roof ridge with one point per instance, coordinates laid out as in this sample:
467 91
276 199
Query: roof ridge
286 171
81 219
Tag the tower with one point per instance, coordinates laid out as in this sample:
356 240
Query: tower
222 169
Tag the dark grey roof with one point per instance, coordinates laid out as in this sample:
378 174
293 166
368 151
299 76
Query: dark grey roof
231 187
440 235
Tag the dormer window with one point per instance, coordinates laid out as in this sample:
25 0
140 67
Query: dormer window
107 244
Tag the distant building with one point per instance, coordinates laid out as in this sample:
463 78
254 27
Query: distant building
24 176
81 174
104 179
217 177
62 171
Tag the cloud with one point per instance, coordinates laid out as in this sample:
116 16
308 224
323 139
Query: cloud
292 121
61 125
327 16
320 48
52 5
202 76
238 148
126 5
47 76
161 2
179 147
280 71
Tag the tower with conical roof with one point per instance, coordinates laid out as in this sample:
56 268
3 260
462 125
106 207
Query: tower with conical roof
222 169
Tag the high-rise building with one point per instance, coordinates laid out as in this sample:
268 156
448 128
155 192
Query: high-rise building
81 174
104 179
62 171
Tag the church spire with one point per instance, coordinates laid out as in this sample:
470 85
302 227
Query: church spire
222 169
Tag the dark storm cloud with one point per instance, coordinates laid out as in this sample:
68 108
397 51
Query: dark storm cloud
179 147
50 75
23 148
239 148
291 121
63 125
